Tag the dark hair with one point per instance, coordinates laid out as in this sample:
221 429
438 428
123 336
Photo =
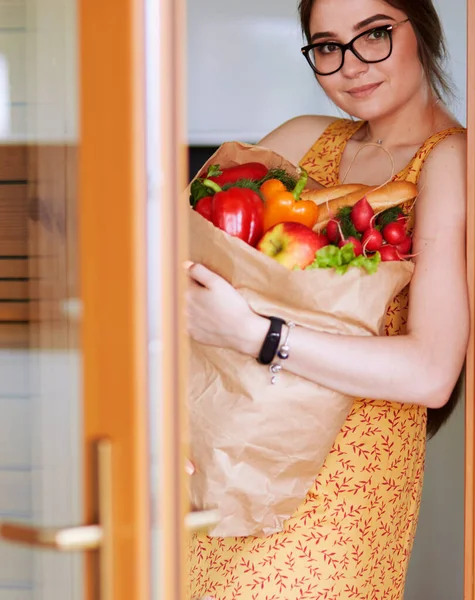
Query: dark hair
436 417
432 54
428 30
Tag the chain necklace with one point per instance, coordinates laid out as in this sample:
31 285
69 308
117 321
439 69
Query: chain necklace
379 142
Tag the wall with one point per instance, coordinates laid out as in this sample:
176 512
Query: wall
246 76
16 562
436 568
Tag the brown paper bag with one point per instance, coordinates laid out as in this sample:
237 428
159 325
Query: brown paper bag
257 447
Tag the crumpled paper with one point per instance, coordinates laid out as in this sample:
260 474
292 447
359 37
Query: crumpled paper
257 447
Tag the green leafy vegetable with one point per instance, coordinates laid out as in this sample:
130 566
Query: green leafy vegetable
244 183
389 216
197 191
346 224
340 259
328 257
214 171
347 254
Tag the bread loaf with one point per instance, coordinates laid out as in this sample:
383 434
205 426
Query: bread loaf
336 191
380 198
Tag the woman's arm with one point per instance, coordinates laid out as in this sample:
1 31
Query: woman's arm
420 367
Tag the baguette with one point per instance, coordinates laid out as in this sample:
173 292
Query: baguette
319 196
380 198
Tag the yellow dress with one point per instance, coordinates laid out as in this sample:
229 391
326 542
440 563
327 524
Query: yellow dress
352 535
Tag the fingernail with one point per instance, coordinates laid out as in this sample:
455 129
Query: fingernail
189 467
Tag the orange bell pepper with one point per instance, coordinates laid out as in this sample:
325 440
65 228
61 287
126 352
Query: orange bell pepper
283 206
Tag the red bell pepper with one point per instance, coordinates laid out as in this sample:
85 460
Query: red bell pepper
239 211
203 207
254 171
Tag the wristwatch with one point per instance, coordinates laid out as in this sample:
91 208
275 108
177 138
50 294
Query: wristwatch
271 342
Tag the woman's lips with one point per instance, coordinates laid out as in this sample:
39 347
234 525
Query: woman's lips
364 91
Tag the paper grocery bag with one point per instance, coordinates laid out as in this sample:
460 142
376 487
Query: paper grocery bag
257 447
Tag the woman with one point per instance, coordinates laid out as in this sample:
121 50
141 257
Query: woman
379 61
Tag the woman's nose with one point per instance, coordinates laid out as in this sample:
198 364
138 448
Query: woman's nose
353 67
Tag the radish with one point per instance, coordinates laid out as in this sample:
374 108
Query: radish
389 253
322 240
402 219
405 246
372 239
333 231
357 246
361 214
394 233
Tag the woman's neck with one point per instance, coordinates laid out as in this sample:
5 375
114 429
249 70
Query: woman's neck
410 124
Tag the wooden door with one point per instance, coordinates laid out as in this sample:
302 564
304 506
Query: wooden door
94 310
470 370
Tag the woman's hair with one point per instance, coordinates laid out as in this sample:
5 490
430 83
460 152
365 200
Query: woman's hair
436 417
432 54
430 38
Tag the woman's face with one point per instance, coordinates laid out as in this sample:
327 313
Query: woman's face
368 91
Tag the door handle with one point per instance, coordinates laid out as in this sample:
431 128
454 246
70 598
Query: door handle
82 538
68 539
201 520
87 537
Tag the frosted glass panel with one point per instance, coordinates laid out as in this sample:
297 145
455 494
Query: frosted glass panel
40 363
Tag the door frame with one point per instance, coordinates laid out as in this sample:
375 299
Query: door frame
469 553
111 220
114 189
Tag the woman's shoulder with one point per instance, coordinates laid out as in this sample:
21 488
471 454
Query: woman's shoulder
443 173
443 148
450 137
447 145
293 138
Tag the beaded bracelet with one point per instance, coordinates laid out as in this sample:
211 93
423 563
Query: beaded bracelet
282 353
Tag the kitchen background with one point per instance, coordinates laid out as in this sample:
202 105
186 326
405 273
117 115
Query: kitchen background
246 76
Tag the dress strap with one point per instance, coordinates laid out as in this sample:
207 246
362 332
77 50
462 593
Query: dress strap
413 170
322 161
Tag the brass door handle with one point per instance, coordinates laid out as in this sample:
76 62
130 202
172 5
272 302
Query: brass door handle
82 538
68 539
201 520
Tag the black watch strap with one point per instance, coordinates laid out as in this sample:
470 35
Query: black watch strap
271 343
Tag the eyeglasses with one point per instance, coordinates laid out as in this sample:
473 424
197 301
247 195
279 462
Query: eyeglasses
372 46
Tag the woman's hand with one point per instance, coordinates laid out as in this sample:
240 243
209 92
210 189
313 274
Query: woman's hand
219 316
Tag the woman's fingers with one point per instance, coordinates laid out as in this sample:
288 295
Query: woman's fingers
202 275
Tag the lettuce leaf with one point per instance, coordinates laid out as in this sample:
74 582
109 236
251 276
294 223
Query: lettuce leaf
340 259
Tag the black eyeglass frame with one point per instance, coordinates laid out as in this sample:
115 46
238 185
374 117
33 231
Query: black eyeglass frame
350 46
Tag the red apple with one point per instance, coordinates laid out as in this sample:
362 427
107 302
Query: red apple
292 244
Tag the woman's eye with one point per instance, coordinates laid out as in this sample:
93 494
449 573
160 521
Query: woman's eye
377 34
327 48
